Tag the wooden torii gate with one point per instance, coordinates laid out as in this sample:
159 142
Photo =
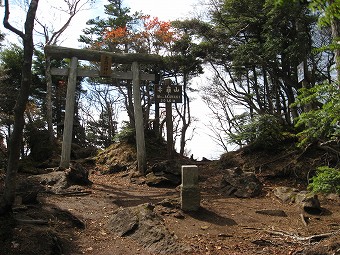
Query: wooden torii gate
135 75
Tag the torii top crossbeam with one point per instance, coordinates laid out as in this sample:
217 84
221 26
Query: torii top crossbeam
58 52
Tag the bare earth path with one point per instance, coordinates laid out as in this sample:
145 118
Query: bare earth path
221 226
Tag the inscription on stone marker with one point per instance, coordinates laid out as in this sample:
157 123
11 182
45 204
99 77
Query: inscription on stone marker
190 192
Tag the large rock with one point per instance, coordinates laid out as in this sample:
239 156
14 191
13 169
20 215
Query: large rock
54 182
238 183
164 173
143 225
77 174
58 181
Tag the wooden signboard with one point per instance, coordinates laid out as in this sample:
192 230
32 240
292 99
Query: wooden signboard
168 94
105 65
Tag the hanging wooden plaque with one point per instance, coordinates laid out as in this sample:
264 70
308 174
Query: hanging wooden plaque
105 65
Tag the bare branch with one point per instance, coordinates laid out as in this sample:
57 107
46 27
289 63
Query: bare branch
8 25
72 8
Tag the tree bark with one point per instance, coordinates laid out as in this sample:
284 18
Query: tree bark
130 105
20 106
185 116
49 112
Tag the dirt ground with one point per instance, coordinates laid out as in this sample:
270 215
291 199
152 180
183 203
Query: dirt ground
77 223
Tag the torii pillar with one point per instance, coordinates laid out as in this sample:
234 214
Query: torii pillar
69 113
139 120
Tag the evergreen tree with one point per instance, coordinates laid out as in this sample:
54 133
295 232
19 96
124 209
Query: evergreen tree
12 58
118 18
254 48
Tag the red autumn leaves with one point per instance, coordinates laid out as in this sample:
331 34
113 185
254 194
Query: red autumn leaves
151 36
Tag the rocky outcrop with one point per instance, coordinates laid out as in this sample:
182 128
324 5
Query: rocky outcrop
238 183
115 168
57 181
143 225
164 173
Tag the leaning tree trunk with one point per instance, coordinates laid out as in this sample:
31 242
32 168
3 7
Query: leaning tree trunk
20 106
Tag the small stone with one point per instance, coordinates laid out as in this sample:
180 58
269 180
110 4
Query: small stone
179 215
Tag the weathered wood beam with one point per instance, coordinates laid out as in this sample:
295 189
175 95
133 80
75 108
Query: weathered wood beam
58 52
69 114
95 73
139 122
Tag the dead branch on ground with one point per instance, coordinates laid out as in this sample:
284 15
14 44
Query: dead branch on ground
309 239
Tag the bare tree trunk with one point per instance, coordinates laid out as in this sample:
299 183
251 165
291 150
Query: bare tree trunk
130 106
260 100
49 113
185 116
60 95
20 106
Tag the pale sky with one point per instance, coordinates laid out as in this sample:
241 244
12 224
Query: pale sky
164 9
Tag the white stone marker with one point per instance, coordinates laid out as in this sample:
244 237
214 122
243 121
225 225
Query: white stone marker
190 193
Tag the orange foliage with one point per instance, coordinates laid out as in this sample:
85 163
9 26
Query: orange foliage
161 30
116 35
153 35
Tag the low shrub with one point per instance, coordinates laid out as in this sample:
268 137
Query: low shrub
326 180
